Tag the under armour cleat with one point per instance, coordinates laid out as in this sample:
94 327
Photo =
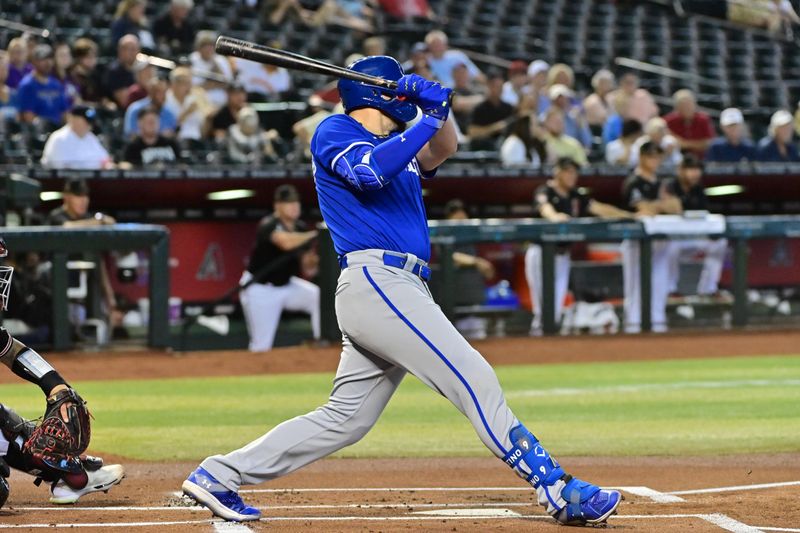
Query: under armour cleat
220 500
98 480
587 504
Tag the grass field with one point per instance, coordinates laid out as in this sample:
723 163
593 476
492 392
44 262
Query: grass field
700 406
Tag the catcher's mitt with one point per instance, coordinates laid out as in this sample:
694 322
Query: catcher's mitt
63 434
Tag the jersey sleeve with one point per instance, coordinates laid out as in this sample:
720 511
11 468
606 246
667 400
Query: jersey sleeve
336 136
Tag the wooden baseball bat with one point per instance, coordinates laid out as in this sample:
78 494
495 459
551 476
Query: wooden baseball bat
229 46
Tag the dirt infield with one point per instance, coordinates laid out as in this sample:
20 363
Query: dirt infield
144 364
737 493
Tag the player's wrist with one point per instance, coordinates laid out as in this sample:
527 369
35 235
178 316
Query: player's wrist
432 120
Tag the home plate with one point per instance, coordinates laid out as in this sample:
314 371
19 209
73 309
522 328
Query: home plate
474 513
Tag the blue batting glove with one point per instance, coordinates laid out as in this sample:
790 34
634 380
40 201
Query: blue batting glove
430 96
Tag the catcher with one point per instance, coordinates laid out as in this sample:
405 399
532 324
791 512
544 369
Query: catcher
51 451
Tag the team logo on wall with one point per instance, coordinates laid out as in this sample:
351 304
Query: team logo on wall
212 268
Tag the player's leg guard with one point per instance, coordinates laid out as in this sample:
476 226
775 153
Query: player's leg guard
4 488
567 499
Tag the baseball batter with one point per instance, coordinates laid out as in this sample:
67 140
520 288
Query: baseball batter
367 166
559 200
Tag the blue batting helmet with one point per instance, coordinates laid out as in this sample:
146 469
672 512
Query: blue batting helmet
356 94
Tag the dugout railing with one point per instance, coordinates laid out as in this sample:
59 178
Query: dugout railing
446 236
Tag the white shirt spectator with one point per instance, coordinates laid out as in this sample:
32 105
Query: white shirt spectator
442 67
513 152
615 150
672 151
65 149
192 125
217 97
255 78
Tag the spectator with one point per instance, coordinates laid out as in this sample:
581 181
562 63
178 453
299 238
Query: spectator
575 124
187 103
561 74
8 104
143 72
40 94
418 62
470 95
84 72
374 46
156 98
620 104
19 67
537 74
490 118
247 142
778 146
408 10
642 106
732 146
521 147
62 57
353 14
276 11
226 116
442 60
149 147
691 127
129 19
173 31
622 151
262 81
656 131
120 76
596 105
211 71
304 128
517 84
557 142
74 145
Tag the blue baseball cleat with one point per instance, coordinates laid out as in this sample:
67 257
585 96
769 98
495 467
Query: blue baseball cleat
221 501
587 504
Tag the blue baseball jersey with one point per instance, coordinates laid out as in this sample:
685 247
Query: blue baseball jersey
391 218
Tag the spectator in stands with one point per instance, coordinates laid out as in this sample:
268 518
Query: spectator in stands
247 143
149 147
187 103
19 67
642 106
8 104
120 76
84 72
558 144
517 84
575 124
156 98
408 10
489 120
732 146
223 119
276 10
442 60
40 95
621 151
173 31
537 74
262 81
691 127
62 63
75 145
418 62
778 146
143 72
521 147
353 14
656 131
561 74
470 95
620 104
129 19
211 71
304 128
374 46
597 107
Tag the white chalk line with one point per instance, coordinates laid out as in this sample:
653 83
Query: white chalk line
729 524
652 387
789 529
230 527
736 488
283 507
651 494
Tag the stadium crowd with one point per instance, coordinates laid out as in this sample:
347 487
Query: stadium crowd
63 101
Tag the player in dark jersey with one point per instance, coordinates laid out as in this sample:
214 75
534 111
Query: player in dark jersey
84 475
560 200
645 195
688 188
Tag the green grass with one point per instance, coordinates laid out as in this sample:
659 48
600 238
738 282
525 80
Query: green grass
702 406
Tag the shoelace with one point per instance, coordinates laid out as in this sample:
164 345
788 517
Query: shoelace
231 499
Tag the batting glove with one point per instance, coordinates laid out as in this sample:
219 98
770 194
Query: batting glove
430 96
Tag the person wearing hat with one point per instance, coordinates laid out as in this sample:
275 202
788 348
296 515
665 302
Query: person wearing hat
688 187
40 95
644 195
732 146
538 72
575 125
205 61
778 146
560 200
272 280
74 145
693 128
